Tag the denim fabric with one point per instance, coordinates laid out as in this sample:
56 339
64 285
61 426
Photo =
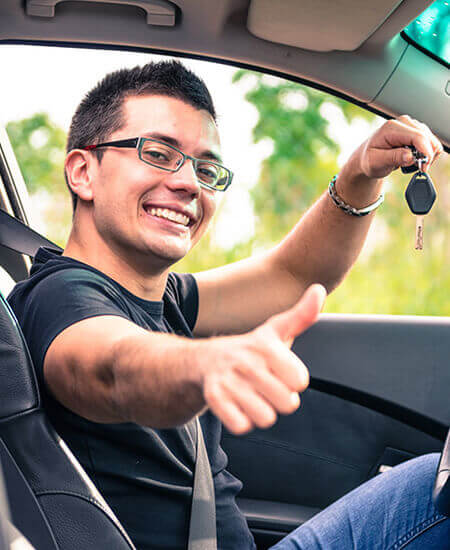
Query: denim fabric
392 511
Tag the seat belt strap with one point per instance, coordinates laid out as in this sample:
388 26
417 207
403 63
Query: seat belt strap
202 527
19 237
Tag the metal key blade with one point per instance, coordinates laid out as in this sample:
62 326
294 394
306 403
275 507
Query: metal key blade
419 232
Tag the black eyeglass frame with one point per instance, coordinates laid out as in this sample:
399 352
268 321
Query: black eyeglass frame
138 143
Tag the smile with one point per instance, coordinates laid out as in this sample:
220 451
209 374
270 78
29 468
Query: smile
168 214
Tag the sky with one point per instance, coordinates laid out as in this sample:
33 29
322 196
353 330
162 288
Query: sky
54 80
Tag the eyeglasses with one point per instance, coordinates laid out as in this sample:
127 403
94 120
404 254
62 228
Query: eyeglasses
167 157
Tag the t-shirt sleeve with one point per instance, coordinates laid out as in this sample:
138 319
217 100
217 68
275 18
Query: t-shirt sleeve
186 294
61 300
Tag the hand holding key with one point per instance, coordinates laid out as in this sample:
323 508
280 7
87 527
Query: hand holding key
403 142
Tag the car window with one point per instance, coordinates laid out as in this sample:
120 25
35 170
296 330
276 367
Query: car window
6 282
284 141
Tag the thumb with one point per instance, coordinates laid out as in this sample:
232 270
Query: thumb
384 161
292 322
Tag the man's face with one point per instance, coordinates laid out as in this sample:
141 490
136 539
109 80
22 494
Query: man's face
131 198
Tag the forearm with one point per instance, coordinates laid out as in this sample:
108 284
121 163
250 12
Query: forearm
326 242
157 379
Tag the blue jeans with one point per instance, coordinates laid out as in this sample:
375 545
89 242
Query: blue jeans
392 511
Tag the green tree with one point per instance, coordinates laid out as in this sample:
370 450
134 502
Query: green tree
39 145
392 277
292 177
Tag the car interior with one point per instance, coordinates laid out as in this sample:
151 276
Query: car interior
379 383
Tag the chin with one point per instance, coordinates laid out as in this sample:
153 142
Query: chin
167 255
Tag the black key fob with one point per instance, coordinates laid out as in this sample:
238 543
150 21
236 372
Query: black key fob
420 193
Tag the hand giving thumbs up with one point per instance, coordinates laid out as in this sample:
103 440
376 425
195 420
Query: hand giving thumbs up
249 379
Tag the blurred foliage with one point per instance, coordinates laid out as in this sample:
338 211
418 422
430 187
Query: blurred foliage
292 177
39 145
390 277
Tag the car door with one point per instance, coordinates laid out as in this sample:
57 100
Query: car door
378 396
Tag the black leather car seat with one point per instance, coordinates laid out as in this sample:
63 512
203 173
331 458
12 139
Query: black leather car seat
52 501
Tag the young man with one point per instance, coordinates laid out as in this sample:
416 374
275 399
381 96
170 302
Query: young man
110 328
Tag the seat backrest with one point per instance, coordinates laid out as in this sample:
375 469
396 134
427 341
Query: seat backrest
52 501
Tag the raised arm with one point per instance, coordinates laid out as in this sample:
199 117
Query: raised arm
122 373
323 245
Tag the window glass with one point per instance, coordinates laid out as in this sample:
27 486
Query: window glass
283 141
6 282
431 30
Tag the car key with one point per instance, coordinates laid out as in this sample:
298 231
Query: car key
420 196
417 155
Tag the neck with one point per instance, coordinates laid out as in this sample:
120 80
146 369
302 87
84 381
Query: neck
135 274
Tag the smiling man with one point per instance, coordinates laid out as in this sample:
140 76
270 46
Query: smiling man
110 327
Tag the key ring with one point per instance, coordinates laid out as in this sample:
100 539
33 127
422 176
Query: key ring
419 158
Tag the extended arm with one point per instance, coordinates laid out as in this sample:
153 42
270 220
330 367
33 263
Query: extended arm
122 373
321 248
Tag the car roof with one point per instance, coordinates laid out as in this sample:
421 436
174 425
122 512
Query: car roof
351 48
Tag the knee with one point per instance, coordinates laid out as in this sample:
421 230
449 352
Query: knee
424 465
419 472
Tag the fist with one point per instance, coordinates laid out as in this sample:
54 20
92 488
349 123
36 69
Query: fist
249 379
386 150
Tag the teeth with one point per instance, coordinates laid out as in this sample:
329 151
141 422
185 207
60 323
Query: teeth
169 215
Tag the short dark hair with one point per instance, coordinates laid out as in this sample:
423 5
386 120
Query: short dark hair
100 113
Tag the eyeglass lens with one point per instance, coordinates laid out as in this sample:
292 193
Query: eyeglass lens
167 158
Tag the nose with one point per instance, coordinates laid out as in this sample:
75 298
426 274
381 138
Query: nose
185 179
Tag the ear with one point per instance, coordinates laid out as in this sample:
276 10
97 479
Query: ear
79 167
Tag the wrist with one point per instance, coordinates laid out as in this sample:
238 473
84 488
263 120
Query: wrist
349 208
354 186
196 363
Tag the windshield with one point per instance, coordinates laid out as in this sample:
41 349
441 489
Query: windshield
431 30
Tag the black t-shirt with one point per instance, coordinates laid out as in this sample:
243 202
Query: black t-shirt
144 474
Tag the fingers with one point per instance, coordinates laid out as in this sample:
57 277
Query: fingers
240 406
252 404
254 377
288 368
279 380
394 138
436 145
258 379
296 320
226 410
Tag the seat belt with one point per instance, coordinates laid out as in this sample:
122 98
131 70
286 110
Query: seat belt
202 525
17 236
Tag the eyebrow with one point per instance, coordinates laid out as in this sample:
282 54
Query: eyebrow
208 154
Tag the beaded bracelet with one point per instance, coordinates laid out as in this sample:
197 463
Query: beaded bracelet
347 208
